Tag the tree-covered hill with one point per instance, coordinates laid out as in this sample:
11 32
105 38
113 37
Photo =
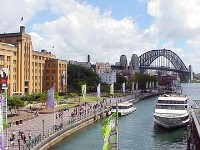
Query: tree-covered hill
78 75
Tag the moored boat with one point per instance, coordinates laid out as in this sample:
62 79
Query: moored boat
171 111
124 108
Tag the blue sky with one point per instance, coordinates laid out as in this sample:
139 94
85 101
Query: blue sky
106 29
137 10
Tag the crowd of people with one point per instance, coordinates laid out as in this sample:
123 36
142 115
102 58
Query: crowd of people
20 137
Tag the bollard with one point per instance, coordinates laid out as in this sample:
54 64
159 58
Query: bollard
17 122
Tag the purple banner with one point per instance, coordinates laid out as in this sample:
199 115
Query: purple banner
2 101
50 98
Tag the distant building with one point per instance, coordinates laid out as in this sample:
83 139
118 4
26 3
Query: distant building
123 60
55 73
83 64
134 63
117 64
108 78
26 66
102 67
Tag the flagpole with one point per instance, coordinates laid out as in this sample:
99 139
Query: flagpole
116 122
6 90
54 121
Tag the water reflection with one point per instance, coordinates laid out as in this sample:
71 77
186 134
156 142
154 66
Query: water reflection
169 138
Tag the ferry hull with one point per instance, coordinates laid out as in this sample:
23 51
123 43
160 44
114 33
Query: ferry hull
171 122
123 113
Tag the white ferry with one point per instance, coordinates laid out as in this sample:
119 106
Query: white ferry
171 111
124 108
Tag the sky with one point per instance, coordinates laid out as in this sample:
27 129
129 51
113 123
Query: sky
107 29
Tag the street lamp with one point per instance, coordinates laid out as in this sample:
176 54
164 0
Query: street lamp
43 125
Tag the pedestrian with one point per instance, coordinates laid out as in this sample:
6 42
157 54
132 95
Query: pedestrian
37 114
13 134
11 141
56 116
29 135
19 142
24 138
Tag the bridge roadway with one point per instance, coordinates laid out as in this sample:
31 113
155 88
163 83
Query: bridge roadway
35 125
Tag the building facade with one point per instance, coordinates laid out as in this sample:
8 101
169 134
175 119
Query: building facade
102 67
55 74
109 77
26 67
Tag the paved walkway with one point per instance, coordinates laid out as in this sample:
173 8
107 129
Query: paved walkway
37 124
44 123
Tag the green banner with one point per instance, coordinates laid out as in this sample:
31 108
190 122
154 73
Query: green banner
109 132
112 89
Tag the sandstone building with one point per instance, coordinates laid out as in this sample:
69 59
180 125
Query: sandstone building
30 71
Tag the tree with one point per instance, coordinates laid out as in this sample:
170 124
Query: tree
14 103
142 79
78 75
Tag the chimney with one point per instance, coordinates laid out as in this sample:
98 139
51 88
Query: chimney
88 58
22 29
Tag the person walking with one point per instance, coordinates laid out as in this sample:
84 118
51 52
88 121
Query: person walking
29 135
13 134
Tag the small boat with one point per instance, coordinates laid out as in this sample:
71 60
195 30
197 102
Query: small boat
124 108
171 111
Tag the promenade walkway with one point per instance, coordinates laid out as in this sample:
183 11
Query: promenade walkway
43 124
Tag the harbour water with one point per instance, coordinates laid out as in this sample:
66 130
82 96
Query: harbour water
137 130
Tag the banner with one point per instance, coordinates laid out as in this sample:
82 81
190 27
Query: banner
137 86
133 87
109 132
64 78
123 87
2 119
50 98
149 85
156 84
112 89
83 89
99 90
146 85
4 78
152 85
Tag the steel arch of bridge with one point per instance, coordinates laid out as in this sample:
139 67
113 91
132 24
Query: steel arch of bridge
147 58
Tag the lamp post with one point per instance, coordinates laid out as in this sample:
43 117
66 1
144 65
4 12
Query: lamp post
43 125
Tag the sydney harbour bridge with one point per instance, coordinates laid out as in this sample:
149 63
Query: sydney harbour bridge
162 60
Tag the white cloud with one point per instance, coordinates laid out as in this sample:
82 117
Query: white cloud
178 20
82 30
12 11
78 29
